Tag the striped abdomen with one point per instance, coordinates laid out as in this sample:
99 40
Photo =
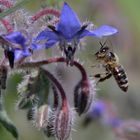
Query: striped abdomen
120 77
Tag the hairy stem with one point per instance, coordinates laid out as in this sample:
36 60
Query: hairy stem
47 11
6 3
84 80
53 60
56 96
60 88
6 24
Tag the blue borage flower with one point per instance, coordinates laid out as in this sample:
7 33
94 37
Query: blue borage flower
69 31
106 111
15 46
20 48
97 109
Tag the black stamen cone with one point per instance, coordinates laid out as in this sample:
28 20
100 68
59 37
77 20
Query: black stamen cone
11 57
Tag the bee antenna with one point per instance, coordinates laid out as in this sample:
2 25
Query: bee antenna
102 45
111 44
105 42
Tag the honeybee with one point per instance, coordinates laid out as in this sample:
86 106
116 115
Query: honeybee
110 61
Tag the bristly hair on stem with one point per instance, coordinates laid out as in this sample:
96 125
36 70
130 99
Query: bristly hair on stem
6 3
6 24
46 11
84 86
63 118
82 95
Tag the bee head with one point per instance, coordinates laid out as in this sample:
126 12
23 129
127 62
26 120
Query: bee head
102 52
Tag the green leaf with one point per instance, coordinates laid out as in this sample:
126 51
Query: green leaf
14 8
6 122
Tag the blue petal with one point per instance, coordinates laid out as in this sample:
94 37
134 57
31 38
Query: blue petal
97 109
69 22
16 37
85 33
101 31
50 43
115 122
18 54
104 30
47 34
37 46
21 53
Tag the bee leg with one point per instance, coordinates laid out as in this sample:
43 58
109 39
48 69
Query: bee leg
97 75
104 78
96 65
101 75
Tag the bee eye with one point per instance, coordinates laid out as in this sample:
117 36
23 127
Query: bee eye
103 50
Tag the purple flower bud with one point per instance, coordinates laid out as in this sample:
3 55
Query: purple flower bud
63 124
83 96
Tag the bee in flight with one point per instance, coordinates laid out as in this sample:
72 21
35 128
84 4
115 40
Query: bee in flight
110 62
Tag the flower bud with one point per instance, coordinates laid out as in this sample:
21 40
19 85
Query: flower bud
83 96
63 124
41 117
49 130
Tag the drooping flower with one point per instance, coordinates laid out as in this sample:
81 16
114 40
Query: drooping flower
69 31
15 46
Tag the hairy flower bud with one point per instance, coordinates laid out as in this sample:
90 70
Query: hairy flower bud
63 124
31 112
83 96
49 129
41 116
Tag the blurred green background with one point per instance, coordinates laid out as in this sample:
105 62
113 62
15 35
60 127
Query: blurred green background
123 14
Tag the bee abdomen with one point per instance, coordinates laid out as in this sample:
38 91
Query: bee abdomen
121 77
